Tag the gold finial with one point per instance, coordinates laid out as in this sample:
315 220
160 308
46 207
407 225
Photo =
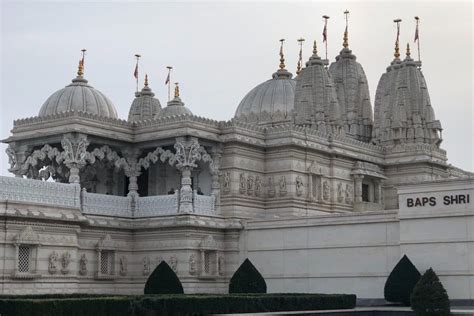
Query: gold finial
345 44
146 80
408 50
176 89
315 48
80 68
282 57
397 41
300 59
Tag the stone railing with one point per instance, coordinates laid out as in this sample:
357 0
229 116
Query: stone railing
204 204
70 195
39 192
156 205
103 204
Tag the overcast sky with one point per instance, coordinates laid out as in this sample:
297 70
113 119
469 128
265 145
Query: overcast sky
221 50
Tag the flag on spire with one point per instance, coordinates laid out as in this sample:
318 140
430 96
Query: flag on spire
168 77
135 73
325 31
416 31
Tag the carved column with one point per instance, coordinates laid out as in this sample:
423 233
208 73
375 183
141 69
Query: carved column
215 186
132 172
186 192
358 187
74 155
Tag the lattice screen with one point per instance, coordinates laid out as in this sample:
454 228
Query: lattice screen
207 262
106 262
24 258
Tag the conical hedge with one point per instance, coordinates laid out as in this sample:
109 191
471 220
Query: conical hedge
429 296
163 280
401 281
247 279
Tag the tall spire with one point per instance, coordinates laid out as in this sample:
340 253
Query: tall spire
397 41
300 58
80 68
282 56
345 44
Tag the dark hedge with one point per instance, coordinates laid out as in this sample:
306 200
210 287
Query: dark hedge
163 280
150 305
429 297
247 279
401 281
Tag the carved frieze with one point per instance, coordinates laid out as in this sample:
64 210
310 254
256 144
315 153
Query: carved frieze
282 186
299 185
53 263
250 184
258 185
242 184
226 182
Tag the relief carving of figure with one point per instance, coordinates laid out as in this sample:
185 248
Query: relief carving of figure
83 265
349 194
220 263
250 183
192 264
146 265
326 191
65 260
282 185
226 186
174 263
242 184
53 263
299 185
271 187
258 185
123 265
340 193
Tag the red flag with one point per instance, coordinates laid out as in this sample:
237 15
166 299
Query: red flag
167 78
416 33
325 31
135 73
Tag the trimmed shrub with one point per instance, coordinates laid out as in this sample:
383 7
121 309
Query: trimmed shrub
429 297
401 281
163 280
247 279
177 304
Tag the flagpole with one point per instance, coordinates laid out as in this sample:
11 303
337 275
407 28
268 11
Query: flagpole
136 68
418 37
325 34
168 82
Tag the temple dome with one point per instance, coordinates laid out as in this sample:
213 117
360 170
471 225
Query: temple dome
353 95
145 106
79 97
270 101
175 107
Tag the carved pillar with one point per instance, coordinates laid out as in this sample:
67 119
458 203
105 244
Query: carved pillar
74 155
17 155
132 172
215 186
186 192
358 187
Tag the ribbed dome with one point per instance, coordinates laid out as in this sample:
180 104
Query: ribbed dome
144 106
353 95
175 107
271 101
403 111
80 97
316 101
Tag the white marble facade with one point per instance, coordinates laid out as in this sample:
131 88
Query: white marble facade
308 185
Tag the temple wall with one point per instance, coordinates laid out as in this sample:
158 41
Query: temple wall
355 253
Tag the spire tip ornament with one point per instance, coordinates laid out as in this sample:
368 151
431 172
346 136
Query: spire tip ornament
408 50
315 48
146 80
80 68
282 56
176 89
397 41
345 43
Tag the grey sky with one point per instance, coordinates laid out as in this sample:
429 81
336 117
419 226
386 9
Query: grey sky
222 50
